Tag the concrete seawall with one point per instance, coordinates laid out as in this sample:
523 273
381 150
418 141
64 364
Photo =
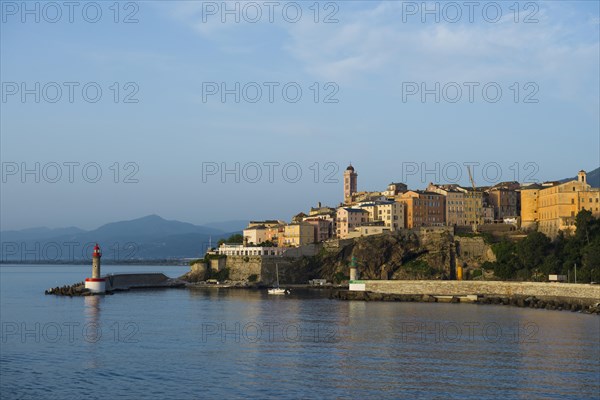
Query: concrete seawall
138 281
584 294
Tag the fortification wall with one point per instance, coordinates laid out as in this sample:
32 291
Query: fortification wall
587 293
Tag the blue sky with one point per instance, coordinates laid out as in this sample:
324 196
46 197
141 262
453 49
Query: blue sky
368 61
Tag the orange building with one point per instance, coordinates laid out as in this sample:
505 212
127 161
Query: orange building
422 208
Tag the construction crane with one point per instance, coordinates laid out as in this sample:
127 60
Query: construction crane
474 203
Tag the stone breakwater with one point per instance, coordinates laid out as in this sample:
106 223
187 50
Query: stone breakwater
77 289
559 304
121 282
553 296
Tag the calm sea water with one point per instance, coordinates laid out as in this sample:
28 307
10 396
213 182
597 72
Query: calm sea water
214 343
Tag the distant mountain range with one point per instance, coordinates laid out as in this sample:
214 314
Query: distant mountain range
150 237
593 178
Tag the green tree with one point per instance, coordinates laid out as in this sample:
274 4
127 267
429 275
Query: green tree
504 251
587 226
536 256
551 265
236 238
507 263
570 254
532 250
504 271
591 261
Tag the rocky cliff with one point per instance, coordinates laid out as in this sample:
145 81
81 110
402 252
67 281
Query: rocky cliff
425 254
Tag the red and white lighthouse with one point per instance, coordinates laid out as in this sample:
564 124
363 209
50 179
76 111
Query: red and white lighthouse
96 284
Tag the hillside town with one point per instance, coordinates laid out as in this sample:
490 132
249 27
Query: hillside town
549 207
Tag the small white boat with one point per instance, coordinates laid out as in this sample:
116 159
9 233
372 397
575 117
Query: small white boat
277 289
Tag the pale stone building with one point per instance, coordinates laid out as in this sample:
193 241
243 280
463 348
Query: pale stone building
323 228
368 229
504 198
455 203
255 235
474 211
349 218
326 230
488 214
261 231
390 213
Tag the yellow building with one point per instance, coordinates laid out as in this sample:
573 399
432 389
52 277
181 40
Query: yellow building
529 206
554 208
298 234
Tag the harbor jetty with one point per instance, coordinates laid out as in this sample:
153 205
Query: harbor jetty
121 282
551 296
98 284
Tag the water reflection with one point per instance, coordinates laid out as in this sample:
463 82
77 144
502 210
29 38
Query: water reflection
92 330
92 309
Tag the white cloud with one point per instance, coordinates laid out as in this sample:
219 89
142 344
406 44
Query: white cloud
375 42
371 43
